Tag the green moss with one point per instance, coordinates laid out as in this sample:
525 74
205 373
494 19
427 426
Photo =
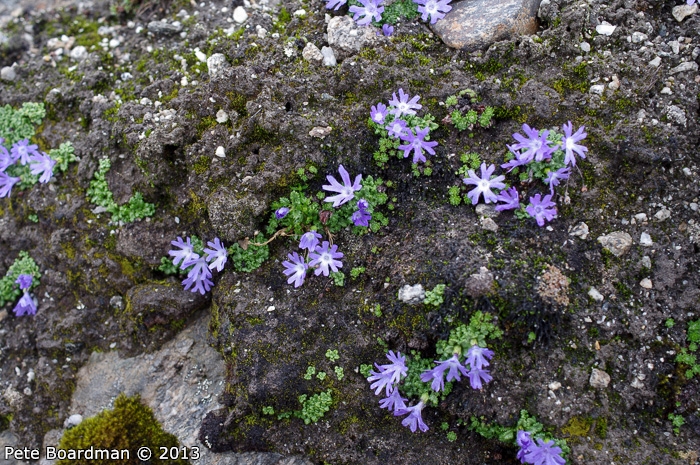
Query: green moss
130 425
202 165
578 427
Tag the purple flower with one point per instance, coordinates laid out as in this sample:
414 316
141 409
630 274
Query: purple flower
6 183
25 306
24 281
393 401
435 8
22 150
5 159
199 277
417 144
185 254
335 4
436 374
690 2
217 255
476 357
413 420
542 209
569 142
362 216
536 146
42 164
295 269
555 177
346 191
309 240
544 453
369 9
484 184
524 441
403 106
388 29
476 375
509 198
325 256
378 113
388 374
281 212
519 158
397 128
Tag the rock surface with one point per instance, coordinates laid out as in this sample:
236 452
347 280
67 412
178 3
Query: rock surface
617 242
475 23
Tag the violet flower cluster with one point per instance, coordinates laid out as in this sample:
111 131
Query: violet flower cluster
415 139
322 257
476 360
200 274
540 453
23 153
27 303
387 379
535 146
371 10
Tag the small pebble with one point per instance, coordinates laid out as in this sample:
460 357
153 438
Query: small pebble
655 62
645 240
595 295
645 283
220 152
239 15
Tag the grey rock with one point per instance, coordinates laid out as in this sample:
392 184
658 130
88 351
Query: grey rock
597 89
163 28
617 242
473 24
645 240
681 12
8 439
73 420
683 67
580 230
662 214
346 36
655 62
599 379
486 210
162 304
585 46
645 262
79 53
480 284
594 294
328 56
675 46
646 283
312 54
216 64
412 294
7 73
235 214
489 225
638 37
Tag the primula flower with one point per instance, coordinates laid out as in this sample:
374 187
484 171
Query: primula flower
346 191
362 216
184 255
22 151
397 128
5 159
25 306
524 441
6 183
484 184
555 177
476 375
378 113
199 277
335 4
436 374
24 281
417 143
295 268
509 198
542 209
435 8
388 29
389 374
544 453
476 357
402 105
569 143
369 9
393 401
309 240
325 256
281 212
690 2
414 419
42 164
217 255
536 146
520 158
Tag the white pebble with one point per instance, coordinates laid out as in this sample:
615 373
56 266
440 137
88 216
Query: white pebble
239 15
220 152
